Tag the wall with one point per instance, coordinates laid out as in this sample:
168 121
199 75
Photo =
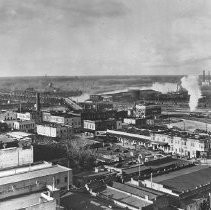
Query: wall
14 156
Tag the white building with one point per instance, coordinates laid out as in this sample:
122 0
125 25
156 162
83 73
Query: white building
183 144
26 125
15 150
54 130
24 116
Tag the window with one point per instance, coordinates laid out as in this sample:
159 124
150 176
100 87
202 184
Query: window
65 179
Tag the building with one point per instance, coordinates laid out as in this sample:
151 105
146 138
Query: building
181 143
97 115
145 111
54 130
35 201
24 125
7 116
96 97
100 106
32 115
132 197
15 151
135 121
129 138
107 98
33 178
93 127
189 189
16 156
63 118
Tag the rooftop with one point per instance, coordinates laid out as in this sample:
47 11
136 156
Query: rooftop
32 174
24 201
177 173
122 197
156 164
129 135
15 136
182 134
53 125
188 181
138 191
61 114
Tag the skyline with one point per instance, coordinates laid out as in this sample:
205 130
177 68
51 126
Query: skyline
104 37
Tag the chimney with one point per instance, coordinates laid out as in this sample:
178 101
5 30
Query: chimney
204 76
38 102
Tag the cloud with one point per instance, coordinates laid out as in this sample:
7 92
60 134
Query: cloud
104 36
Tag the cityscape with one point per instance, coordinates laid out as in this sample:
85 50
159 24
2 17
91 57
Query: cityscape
105 104
133 148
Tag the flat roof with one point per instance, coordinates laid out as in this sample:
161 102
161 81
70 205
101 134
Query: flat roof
32 174
23 201
139 191
155 164
189 181
124 198
19 134
177 173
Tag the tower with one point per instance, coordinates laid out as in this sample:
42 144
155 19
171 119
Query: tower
37 101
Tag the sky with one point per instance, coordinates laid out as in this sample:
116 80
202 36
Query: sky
104 37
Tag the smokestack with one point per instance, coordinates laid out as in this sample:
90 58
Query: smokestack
204 76
37 101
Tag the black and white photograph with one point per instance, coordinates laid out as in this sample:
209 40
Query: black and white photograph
105 104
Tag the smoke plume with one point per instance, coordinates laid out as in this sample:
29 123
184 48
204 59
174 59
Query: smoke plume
191 84
164 87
